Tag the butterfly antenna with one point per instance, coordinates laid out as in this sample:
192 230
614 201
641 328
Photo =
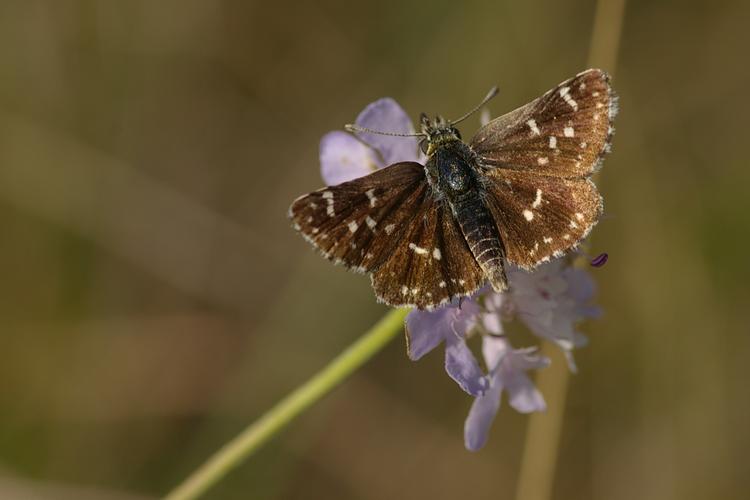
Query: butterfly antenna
492 93
356 128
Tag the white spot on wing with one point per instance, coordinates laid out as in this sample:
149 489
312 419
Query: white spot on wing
538 199
389 228
552 142
533 127
547 239
371 196
565 94
404 290
528 214
436 254
328 196
579 216
569 132
353 226
442 284
370 222
418 250
543 160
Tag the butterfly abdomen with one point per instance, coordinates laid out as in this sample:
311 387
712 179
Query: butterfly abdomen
481 234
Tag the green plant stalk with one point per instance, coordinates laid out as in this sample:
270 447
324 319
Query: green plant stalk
233 453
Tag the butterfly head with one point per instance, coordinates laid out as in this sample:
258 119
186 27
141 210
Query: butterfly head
435 132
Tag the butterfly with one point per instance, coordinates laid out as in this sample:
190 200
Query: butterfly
518 192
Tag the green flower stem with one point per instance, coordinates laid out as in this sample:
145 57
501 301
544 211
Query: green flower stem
233 453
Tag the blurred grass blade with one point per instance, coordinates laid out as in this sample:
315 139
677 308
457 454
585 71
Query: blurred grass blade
541 449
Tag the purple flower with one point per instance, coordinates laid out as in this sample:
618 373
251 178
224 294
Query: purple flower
425 330
508 369
551 300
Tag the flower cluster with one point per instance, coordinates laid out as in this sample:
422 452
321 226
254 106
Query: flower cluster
549 301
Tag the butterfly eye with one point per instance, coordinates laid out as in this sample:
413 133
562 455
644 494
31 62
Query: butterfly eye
423 145
455 131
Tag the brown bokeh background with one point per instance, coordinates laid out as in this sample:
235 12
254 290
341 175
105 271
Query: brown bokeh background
155 300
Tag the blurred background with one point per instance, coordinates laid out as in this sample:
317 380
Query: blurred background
154 299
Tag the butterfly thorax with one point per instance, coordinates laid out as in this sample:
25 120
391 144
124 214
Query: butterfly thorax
451 170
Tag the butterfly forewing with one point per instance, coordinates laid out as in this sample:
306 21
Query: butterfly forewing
563 133
358 223
431 264
541 216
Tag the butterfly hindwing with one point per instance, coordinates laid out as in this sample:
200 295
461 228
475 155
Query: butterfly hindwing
431 264
563 133
357 223
540 216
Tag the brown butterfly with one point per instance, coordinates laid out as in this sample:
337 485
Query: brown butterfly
518 192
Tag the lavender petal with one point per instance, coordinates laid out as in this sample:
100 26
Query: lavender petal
425 330
480 418
522 394
463 367
386 115
343 158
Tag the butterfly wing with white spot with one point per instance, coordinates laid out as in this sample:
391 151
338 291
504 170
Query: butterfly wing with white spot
563 133
432 262
540 216
389 223
358 223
